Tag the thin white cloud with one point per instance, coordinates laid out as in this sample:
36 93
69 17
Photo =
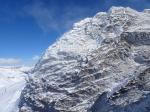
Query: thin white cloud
36 57
9 61
42 15
51 17
19 62
31 61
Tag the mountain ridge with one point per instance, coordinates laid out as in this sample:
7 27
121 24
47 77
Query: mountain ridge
101 59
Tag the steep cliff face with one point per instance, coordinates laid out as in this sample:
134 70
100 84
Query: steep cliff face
101 65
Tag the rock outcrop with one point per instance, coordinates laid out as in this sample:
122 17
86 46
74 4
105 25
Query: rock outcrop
101 65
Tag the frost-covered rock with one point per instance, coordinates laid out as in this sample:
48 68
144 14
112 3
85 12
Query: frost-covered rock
101 65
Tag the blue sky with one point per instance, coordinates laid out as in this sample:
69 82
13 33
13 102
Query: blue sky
28 27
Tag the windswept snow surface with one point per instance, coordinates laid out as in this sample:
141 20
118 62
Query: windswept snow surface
12 81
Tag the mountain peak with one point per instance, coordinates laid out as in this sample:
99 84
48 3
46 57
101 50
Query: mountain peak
101 64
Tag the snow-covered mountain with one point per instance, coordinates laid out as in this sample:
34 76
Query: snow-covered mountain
12 81
100 65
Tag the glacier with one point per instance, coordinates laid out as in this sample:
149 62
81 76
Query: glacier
101 65
12 81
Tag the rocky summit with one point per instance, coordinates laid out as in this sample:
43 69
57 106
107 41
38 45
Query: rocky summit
101 65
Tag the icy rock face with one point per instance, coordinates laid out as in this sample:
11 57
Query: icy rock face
137 38
101 65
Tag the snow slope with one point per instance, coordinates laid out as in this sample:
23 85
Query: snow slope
12 81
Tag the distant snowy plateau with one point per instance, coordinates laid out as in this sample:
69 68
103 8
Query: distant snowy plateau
12 81
101 65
